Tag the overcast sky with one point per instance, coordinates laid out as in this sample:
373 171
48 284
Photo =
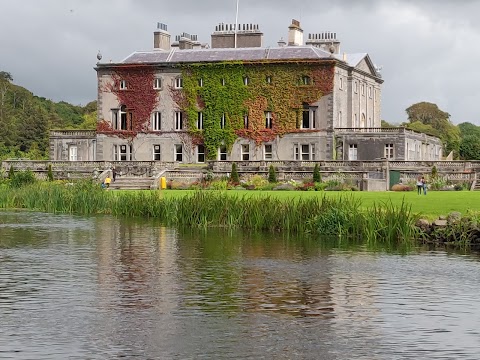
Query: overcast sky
428 49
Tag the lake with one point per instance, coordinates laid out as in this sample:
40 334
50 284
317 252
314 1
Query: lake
74 287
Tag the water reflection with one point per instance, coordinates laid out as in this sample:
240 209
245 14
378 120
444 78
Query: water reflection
101 287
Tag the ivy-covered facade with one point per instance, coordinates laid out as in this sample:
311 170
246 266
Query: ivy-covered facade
291 102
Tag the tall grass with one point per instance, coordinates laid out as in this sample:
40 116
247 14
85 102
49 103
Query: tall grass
338 216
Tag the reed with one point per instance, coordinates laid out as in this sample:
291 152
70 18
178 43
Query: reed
335 216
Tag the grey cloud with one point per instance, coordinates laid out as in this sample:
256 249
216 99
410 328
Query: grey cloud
426 47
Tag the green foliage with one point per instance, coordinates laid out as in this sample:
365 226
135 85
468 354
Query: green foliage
272 174
234 174
233 90
434 172
429 114
316 174
22 178
470 141
26 119
386 124
50 173
11 172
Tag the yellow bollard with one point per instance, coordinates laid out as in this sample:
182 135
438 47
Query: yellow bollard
163 183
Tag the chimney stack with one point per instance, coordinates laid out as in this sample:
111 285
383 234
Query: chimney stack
161 38
295 34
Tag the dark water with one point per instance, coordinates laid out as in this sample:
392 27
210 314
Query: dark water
103 288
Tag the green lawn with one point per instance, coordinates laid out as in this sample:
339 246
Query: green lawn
432 205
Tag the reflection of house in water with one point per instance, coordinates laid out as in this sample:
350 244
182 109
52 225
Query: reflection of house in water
134 263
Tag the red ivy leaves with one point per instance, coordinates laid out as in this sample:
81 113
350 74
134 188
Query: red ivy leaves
139 98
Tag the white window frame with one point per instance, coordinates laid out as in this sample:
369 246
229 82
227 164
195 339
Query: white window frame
200 120
200 82
157 121
246 80
268 152
222 81
268 79
123 85
268 120
178 82
306 80
156 152
122 152
157 83
245 152
388 151
312 118
200 153
352 152
222 153
178 120
304 152
245 121
73 153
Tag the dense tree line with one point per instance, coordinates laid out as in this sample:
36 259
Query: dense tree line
26 119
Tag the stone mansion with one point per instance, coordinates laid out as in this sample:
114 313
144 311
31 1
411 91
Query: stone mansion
236 100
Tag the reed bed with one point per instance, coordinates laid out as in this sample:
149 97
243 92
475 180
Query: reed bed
334 216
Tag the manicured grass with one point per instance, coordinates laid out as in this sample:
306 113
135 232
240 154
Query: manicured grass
432 205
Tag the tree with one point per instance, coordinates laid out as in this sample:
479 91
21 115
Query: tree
272 175
6 76
386 124
316 174
50 173
429 114
234 174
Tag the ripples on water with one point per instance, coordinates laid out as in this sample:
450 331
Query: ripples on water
101 288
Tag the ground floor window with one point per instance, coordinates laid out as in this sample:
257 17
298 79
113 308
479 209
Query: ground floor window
122 152
201 153
179 152
304 152
245 152
352 152
267 152
156 153
222 153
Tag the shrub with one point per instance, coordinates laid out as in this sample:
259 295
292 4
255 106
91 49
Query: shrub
401 187
272 175
22 178
11 172
50 173
234 174
434 172
256 182
316 174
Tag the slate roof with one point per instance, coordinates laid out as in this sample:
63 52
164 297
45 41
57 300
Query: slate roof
239 54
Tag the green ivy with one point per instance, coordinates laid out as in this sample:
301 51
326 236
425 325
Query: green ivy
219 88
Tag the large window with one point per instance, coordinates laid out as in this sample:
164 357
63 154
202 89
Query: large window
178 120
304 152
222 153
309 115
245 152
122 152
157 121
352 152
388 151
179 152
201 153
122 118
267 152
268 120
156 153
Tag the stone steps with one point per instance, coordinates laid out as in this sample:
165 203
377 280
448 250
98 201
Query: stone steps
131 183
